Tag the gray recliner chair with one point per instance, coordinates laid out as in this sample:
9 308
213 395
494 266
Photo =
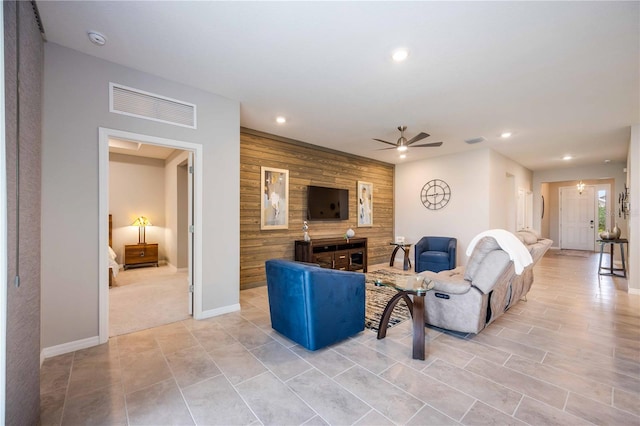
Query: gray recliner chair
467 299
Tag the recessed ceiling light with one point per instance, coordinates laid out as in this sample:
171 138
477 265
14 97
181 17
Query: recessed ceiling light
505 135
567 157
403 155
400 55
607 161
281 120
97 38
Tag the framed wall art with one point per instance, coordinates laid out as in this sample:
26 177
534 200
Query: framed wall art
365 204
274 212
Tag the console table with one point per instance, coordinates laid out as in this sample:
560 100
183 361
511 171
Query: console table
612 270
334 253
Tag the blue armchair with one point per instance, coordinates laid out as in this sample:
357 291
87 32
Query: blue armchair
315 307
435 254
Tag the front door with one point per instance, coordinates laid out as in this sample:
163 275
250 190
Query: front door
577 218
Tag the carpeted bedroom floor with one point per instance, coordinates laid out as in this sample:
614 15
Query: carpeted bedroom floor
143 298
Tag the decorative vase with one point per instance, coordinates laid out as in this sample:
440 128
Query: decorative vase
606 235
615 232
350 233
305 228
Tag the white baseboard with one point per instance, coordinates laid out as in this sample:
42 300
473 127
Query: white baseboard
174 268
219 311
68 347
634 291
95 340
171 266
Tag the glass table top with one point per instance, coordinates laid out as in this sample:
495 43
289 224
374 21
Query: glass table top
413 283
400 244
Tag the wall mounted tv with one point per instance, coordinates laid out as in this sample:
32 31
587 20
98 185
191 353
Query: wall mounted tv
327 203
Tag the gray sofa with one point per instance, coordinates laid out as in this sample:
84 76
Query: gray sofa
469 298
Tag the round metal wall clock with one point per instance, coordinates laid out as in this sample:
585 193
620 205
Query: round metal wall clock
435 194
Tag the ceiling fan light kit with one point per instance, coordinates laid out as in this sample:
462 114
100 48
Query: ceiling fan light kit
402 144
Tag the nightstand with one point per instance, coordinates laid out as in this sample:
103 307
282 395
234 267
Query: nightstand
144 254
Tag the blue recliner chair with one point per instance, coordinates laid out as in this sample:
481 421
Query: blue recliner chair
435 254
313 306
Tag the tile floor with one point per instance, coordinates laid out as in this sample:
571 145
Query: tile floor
569 355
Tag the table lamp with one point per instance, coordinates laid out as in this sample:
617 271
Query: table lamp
141 222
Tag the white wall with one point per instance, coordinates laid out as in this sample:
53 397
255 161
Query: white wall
175 200
75 104
506 177
633 182
467 214
183 216
136 188
483 186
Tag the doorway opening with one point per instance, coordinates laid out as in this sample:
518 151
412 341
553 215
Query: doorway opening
177 229
149 216
584 214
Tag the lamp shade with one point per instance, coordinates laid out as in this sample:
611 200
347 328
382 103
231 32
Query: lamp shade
141 221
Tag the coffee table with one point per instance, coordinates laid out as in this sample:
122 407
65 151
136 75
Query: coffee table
406 285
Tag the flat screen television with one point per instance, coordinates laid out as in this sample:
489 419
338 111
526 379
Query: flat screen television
327 203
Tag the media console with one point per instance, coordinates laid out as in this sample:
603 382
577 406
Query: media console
334 253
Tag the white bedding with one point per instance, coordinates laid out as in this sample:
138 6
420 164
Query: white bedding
113 265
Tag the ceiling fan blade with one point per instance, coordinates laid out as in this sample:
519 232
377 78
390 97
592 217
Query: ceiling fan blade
417 137
434 144
384 149
380 140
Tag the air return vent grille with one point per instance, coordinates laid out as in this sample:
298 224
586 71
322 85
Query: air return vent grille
475 140
136 103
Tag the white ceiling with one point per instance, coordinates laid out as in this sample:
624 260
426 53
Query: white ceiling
562 76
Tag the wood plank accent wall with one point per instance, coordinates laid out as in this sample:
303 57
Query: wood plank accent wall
307 165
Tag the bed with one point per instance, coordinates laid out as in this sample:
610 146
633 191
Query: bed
113 265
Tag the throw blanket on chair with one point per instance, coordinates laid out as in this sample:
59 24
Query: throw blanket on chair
510 244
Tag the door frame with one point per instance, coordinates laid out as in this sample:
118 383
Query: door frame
103 218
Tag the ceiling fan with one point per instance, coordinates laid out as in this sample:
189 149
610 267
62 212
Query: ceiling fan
403 143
